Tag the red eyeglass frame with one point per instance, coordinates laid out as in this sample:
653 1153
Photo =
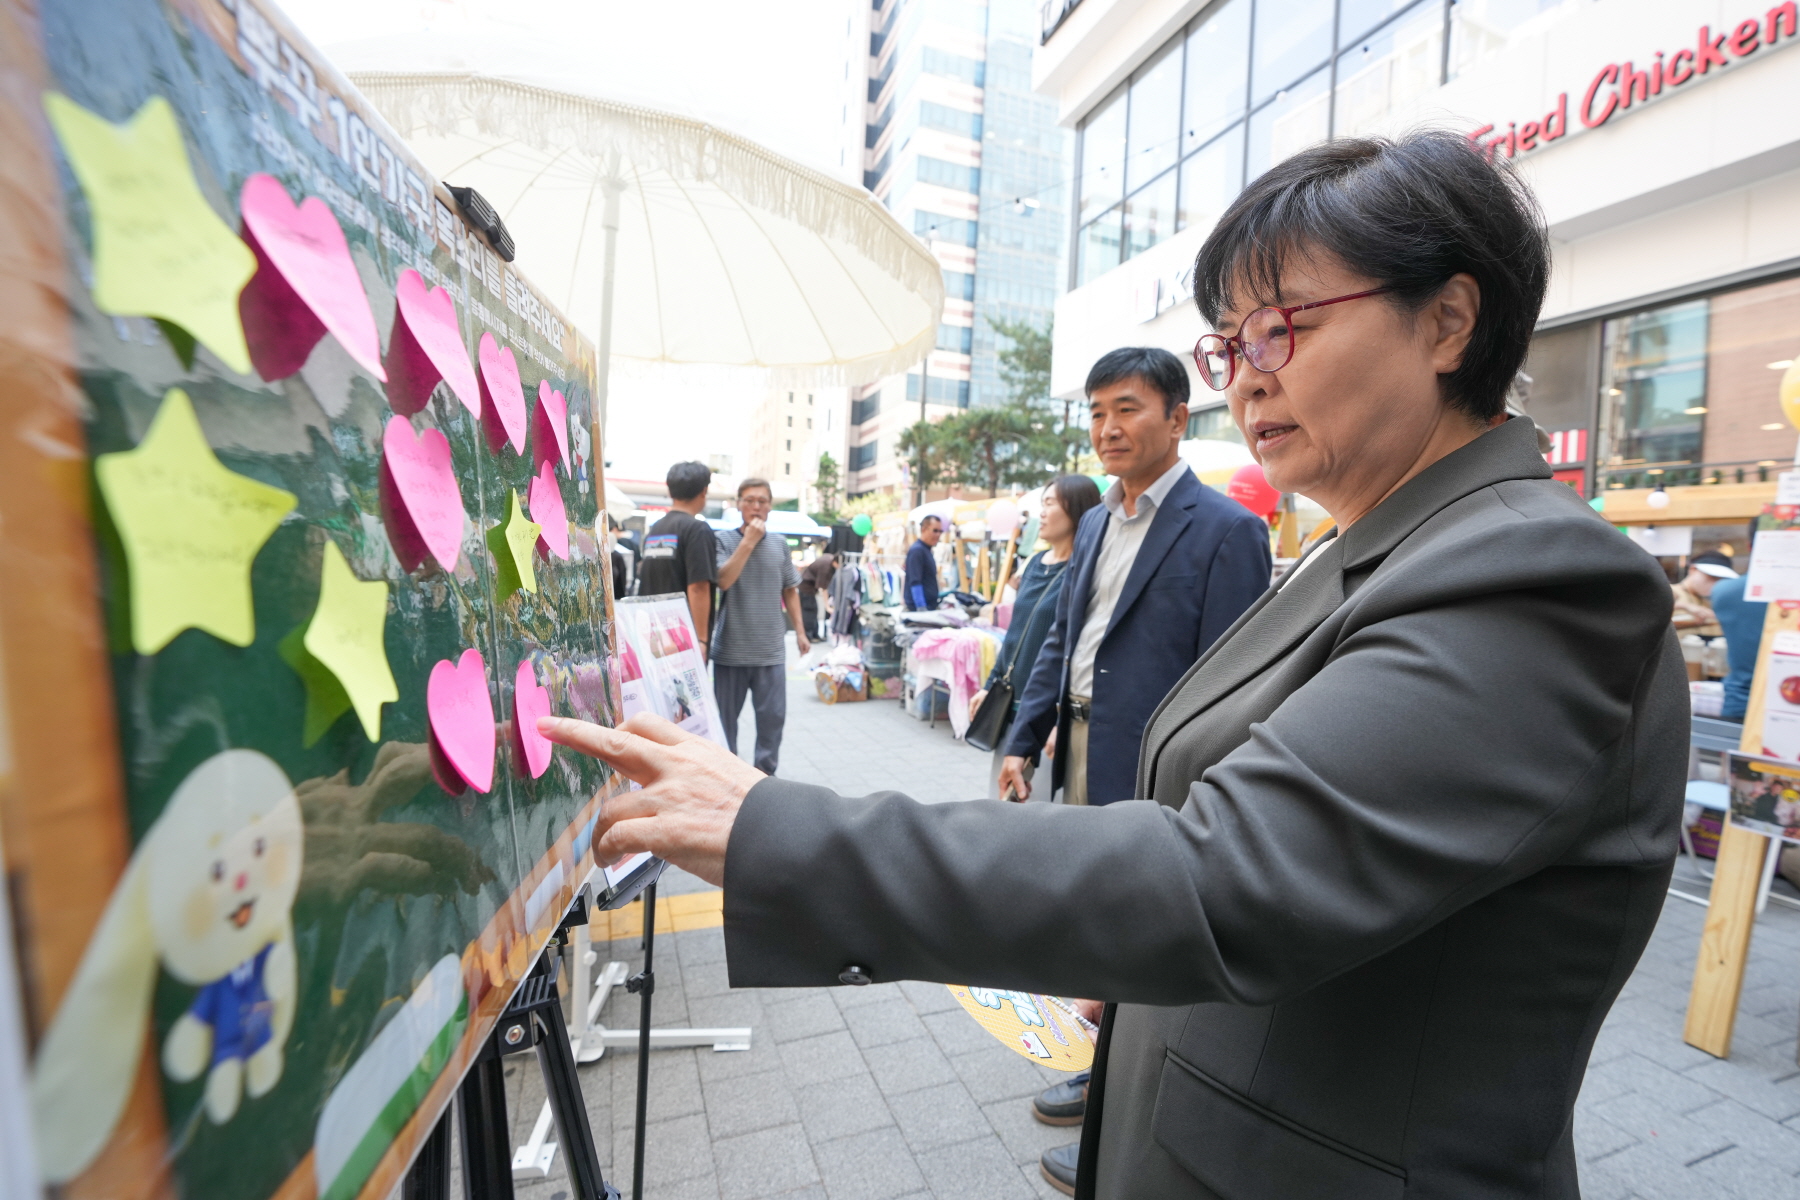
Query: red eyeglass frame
1233 347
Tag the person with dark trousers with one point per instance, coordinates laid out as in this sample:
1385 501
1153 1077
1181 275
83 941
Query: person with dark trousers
680 550
815 586
761 590
921 588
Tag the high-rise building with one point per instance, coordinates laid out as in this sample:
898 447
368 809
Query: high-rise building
790 429
964 153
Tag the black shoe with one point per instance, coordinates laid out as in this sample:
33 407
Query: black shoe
1058 1166
1064 1103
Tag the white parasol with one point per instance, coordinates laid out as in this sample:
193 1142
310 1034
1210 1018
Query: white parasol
726 253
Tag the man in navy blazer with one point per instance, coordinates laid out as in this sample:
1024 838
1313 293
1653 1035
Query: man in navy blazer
1159 571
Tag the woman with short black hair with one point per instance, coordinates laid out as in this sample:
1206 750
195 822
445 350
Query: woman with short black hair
1406 827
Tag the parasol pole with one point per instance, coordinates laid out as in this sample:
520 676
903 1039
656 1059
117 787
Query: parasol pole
614 187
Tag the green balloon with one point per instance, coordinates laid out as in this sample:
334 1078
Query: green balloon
862 524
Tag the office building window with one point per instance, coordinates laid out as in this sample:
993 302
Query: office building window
948 174
1103 158
1292 37
1653 387
935 227
1218 74
1295 119
863 456
1153 141
1150 214
1211 179
1389 69
1214 425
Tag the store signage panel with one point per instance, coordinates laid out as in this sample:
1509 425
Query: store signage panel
1567 446
1617 87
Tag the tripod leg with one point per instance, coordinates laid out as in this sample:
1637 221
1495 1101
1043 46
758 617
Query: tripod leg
429 1178
646 989
557 1062
486 1138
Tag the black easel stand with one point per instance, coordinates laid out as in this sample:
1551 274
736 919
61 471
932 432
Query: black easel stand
644 984
534 1020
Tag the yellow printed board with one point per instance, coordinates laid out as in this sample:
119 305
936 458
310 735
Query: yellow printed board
1044 1029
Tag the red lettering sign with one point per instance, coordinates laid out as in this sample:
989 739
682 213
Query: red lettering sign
1616 88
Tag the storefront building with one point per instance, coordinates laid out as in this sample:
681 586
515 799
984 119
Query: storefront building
1662 138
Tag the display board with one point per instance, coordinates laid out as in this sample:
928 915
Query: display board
299 504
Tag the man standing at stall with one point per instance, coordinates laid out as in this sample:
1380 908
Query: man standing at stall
680 551
760 587
921 589
815 588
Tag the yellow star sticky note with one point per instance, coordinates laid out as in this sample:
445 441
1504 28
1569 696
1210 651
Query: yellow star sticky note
513 543
159 248
189 528
346 638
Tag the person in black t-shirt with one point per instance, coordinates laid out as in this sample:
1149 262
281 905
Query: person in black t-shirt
679 550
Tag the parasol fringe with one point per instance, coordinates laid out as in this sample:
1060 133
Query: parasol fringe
445 102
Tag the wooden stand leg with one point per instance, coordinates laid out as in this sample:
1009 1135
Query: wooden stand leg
1725 943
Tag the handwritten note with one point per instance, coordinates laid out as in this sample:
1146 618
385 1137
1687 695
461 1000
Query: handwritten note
425 347
159 248
502 396
190 529
548 511
419 497
462 720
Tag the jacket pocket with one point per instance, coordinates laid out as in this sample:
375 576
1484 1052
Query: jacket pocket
1242 1151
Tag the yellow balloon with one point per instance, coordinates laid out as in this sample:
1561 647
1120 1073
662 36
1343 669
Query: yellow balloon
1790 394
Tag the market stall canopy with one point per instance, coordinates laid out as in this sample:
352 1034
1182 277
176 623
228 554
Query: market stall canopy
728 254
619 506
781 520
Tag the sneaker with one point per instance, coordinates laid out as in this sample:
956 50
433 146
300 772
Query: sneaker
1058 1166
1064 1103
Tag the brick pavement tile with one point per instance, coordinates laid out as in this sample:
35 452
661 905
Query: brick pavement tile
974 1169
996 1073
1740 1078
763 1055
882 1024
819 1059
1738 1172
842 1107
938 1116
848 998
927 998
1040 1187
674 1085
1646 1119
907 1066
674 1151
875 1165
765 1163
749 1103
809 1016
1678 1092
1643 1172
1596 1137
1769 1140
740 1006
1024 1136
702 979
701 1187
695 946
958 1033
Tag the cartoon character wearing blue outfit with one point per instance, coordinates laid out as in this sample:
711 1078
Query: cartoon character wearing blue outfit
238 1009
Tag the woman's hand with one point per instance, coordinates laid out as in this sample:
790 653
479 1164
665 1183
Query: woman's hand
691 790
976 699
1013 784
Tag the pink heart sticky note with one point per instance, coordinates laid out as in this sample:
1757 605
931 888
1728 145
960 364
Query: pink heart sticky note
427 346
462 718
502 396
419 496
305 284
547 510
531 749
550 440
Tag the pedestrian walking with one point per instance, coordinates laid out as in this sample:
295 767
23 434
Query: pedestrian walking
680 552
760 598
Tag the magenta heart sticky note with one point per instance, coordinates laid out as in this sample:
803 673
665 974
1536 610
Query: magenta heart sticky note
502 396
462 718
427 346
531 749
419 496
550 440
305 283
547 510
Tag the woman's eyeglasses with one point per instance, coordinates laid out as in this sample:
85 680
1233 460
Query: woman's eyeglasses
1265 340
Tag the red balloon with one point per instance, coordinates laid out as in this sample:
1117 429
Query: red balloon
1250 488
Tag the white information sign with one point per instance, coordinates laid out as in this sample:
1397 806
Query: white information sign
1774 567
660 668
1787 487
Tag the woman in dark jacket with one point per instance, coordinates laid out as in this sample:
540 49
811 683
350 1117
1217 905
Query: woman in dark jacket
1034 608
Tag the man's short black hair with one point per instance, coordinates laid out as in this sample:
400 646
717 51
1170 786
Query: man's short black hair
688 479
1152 364
1408 214
927 519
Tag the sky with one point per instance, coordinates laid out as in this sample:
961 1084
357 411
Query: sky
774 74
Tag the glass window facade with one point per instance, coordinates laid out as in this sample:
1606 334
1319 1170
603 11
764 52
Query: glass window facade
1249 82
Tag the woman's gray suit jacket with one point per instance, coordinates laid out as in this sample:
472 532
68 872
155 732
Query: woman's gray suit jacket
1411 822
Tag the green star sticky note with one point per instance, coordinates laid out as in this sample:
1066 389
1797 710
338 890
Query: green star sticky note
341 653
189 529
159 248
513 543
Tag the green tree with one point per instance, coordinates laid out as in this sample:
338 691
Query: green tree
921 445
828 483
1025 370
984 447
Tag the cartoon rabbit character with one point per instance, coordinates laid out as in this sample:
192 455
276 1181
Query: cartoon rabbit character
208 892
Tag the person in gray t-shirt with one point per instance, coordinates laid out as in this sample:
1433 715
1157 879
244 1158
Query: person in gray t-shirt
749 645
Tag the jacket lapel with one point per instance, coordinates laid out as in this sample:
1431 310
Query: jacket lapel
1172 516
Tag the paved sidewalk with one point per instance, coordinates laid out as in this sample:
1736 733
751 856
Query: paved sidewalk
891 1091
